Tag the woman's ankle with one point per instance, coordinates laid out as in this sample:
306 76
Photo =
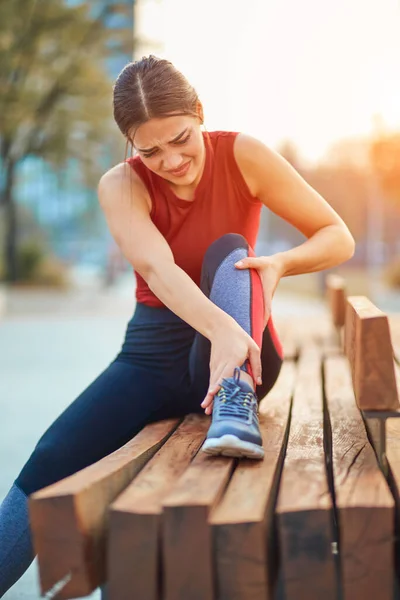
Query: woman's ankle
247 378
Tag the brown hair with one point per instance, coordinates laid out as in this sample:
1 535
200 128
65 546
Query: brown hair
151 88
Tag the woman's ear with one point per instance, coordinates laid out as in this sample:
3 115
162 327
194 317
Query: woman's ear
200 111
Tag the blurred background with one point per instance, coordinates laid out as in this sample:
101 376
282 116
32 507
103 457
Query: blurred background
318 81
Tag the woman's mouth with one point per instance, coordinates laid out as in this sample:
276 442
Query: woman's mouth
182 170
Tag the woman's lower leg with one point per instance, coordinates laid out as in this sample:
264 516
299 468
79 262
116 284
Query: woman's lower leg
16 550
105 416
239 293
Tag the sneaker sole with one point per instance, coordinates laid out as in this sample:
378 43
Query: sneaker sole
231 445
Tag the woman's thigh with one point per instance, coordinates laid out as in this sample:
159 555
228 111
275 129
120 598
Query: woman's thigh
117 405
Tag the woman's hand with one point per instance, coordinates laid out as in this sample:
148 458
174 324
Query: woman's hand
231 346
270 269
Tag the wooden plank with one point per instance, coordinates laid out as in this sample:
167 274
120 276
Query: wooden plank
307 328
393 438
289 343
243 521
350 335
187 540
290 348
330 343
369 349
304 508
298 332
336 295
364 503
393 461
68 519
319 331
375 426
394 323
135 517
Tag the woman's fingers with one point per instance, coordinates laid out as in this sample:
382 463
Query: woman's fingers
227 371
208 401
251 262
216 378
246 349
212 390
209 409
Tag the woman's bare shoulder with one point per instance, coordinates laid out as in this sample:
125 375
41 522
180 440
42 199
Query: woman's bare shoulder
123 179
119 174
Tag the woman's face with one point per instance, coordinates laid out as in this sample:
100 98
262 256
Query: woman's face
172 147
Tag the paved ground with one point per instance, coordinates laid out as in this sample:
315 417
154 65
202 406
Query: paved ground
51 348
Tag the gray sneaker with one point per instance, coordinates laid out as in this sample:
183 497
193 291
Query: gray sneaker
234 430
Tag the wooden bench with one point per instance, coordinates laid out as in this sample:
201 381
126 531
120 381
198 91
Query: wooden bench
316 519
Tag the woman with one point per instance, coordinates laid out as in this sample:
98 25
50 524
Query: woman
185 213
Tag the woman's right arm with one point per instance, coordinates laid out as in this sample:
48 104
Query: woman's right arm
126 205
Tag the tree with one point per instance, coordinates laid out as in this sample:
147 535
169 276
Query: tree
56 95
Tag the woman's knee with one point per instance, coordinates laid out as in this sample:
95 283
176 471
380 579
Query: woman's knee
222 247
229 247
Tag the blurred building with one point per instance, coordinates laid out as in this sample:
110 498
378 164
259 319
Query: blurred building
59 201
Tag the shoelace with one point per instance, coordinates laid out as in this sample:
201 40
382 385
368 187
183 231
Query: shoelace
234 402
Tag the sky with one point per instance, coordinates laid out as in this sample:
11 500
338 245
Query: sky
313 71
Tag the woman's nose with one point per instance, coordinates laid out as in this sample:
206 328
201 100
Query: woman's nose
172 161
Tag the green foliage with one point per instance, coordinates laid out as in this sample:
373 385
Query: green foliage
55 99
52 273
30 258
37 267
56 96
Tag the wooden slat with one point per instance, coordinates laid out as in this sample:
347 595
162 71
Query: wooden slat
336 295
289 343
394 322
393 461
331 343
135 517
242 522
290 348
364 503
68 519
304 508
310 329
350 333
393 440
369 349
187 540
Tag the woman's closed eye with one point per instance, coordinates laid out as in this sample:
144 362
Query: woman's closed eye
149 155
177 143
186 139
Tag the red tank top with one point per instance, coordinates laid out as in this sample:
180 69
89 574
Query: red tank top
222 204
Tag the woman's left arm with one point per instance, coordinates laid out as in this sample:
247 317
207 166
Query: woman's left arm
281 189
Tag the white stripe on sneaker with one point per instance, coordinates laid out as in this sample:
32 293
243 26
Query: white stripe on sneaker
231 445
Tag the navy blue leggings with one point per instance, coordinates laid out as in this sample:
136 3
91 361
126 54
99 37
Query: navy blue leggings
162 371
